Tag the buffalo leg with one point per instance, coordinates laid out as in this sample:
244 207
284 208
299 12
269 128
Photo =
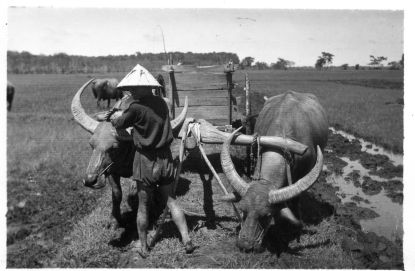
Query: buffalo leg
287 214
116 200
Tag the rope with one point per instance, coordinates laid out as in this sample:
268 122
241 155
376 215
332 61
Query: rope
256 161
202 151
289 161
254 148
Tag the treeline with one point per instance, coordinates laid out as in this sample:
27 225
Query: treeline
25 62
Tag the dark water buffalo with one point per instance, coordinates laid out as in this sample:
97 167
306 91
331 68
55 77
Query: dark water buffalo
297 116
10 95
112 151
105 89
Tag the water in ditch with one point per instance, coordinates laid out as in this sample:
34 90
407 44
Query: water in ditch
353 188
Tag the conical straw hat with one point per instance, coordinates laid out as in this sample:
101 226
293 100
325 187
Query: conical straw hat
138 77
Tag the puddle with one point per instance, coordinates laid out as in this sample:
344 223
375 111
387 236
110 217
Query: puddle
396 159
352 184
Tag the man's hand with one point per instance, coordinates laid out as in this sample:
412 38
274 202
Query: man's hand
116 115
112 114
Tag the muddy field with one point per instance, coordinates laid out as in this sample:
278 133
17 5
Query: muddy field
53 221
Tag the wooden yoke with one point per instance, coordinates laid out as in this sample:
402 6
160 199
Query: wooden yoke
210 135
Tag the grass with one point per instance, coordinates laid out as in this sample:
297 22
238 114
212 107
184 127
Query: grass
373 113
47 154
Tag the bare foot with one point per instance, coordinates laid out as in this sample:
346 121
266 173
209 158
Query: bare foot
140 250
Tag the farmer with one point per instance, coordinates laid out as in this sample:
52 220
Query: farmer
153 164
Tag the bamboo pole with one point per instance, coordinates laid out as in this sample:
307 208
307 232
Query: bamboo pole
171 91
230 86
247 100
247 124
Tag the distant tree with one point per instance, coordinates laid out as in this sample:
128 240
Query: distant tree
345 66
247 61
319 63
357 67
290 63
261 65
324 60
25 62
376 62
402 62
394 65
282 64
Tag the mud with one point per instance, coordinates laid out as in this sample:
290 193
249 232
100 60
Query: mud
372 249
38 216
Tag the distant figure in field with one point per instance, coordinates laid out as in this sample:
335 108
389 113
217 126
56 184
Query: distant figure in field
106 89
161 91
10 95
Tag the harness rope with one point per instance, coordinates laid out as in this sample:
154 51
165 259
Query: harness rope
256 147
194 129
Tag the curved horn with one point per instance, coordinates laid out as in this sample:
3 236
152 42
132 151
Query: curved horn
235 180
78 112
177 122
289 192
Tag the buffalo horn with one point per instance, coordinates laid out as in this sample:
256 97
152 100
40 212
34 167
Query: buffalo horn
78 112
177 122
289 192
235 180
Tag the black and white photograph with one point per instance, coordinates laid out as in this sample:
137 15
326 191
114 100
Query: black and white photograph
211 137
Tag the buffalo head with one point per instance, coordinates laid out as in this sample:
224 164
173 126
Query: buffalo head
113 150
260 201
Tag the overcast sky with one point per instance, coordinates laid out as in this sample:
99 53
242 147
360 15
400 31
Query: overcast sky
265 34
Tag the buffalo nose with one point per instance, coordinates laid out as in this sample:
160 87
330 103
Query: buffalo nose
244 245
90 179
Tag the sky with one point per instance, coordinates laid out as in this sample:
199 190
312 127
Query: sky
297 35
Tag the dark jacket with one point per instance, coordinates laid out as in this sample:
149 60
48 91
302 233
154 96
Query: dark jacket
150 120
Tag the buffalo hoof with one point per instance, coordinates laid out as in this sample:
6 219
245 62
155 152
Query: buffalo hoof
189 247
113 224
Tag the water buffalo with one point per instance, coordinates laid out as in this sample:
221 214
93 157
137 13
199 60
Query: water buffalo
113 151
10 95
106 89
296 116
